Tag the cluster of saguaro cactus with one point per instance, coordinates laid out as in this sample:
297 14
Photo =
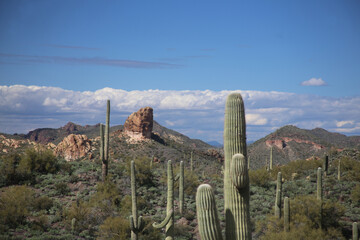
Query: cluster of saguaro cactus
136 223
104 143
168 222
236 178
278 196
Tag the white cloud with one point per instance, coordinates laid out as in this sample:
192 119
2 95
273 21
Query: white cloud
198 114
314 82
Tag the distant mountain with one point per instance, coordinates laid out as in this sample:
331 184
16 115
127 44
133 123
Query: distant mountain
291 143
215 144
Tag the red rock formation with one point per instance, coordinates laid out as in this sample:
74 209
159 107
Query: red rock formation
73 147
281 142
139 124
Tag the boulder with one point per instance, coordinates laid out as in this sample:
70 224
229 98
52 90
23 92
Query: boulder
139 124
73 147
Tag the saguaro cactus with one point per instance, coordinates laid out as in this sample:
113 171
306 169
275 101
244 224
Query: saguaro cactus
237 210
355 231
326 165
191 162
181 188
339 170
136 224
169 219
286 214
209 227
278 196
73 225
319 185
104 143
271 158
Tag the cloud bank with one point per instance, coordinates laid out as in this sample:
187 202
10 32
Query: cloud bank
198 114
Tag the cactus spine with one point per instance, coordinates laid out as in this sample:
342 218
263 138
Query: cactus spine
237 210
209 227
326 165
319 185
169 219
271 158
355 231
136 224
278 196
181 188
286 214
104 145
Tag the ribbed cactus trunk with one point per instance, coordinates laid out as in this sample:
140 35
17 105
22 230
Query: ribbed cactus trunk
206 211
355 231
278 196
168 222
286 214
181 188
326 165
271 158
136 224
319 184
237 210
105 162
103 165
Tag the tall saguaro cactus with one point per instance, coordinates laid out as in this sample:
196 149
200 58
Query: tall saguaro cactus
237 209
319 184
191 162
209 227
104 143
339 170
136 224
326 165
286 214
168 222
271 158
278 196
355 231
181 188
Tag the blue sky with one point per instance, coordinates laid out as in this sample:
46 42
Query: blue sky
306 48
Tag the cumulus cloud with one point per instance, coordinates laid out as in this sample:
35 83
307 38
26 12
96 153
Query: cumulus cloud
314 82
198 114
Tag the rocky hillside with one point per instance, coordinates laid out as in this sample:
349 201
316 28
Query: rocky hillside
291 143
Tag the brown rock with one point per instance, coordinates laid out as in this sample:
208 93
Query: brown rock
139 124
73 147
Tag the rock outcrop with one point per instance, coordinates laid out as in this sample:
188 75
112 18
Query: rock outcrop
139 125
73 147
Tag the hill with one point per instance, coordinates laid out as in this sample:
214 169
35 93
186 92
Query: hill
291 143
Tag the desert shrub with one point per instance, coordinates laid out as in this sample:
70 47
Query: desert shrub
144 174
355 194
81 211
62 188
114 228
350 169
15 205
43 203
307 221
33 161
298 167
8 173
259 177
149 232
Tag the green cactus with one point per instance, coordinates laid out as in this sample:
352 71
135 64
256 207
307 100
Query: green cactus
181 188
319 185
355 231
73 225
191 162
236 194
209 227
286 214
339 170
326 165
104 143
136 224
278 196
169 219
271 158
248 162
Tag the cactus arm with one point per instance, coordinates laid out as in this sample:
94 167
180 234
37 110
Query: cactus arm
177 177
208 221
140 225
165 221
238 172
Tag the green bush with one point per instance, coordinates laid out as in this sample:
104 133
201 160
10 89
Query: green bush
62 188
8 173
259 177
355 194
43 203
107 197
41 161
114 228
81 211
15 205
